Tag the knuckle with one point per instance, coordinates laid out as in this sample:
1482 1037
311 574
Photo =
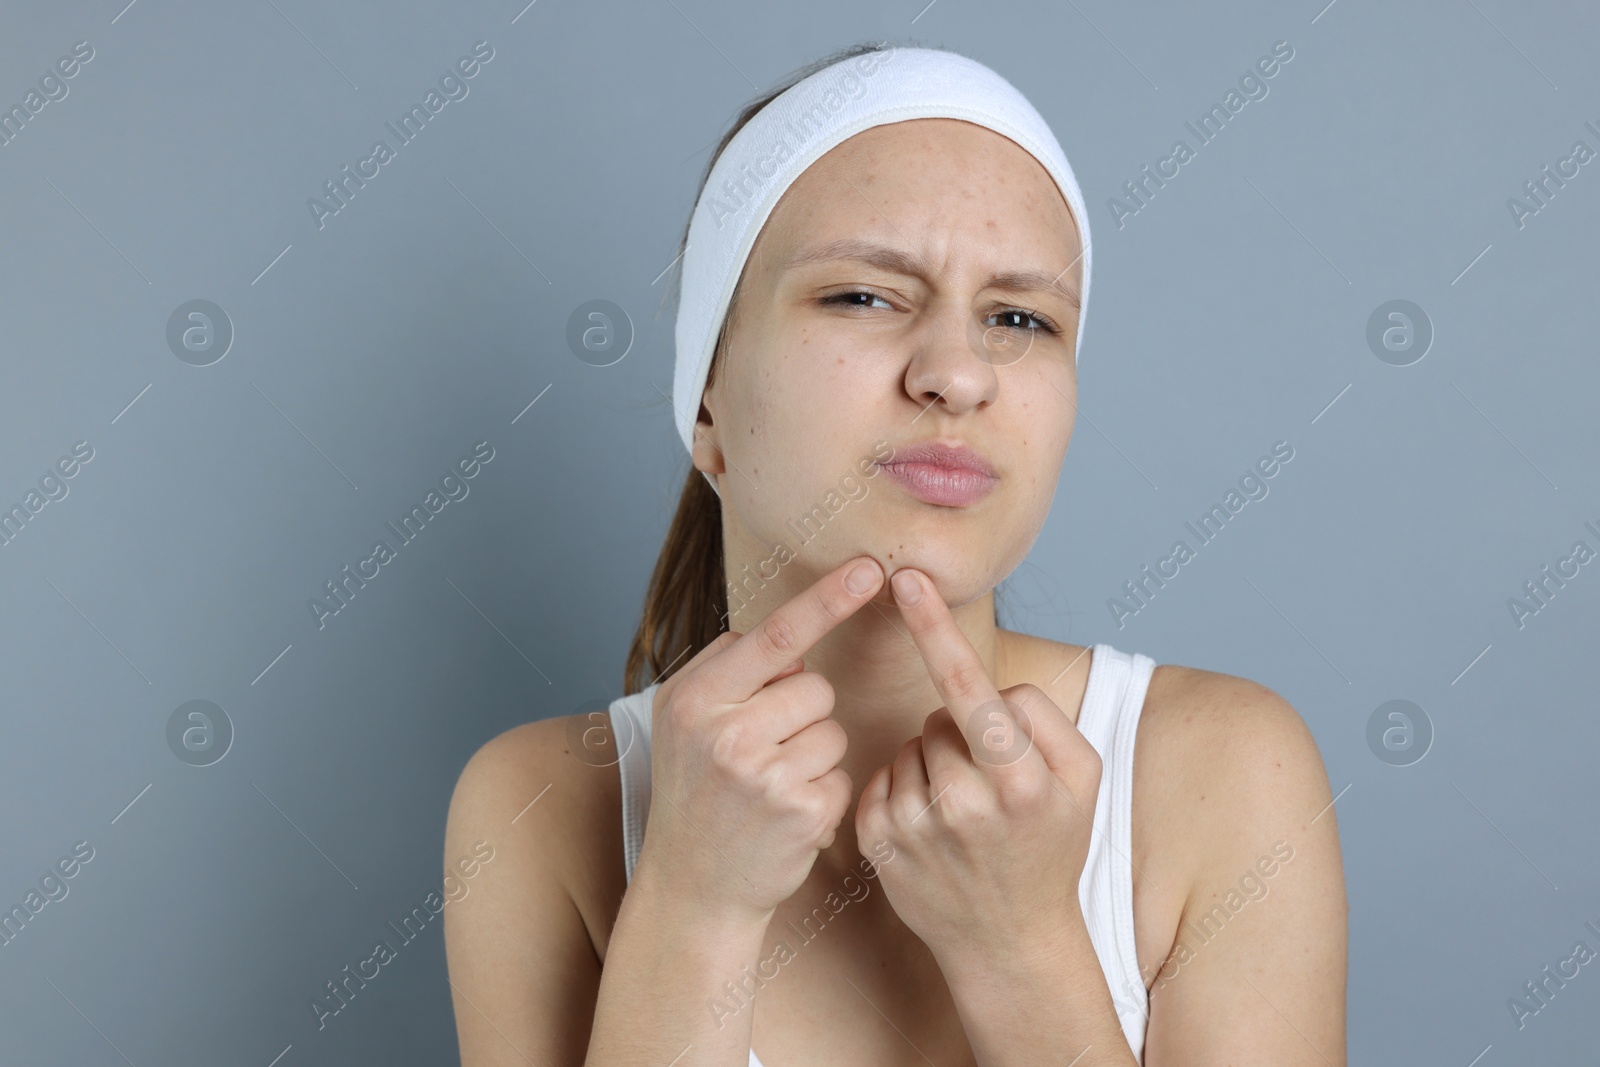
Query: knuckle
963 679
1025 693
833 800
726 748
811 813
1025 792
1085 762
772 783
839 740
1093 763
962 804
815 689
905 808
826 811
872 823
1089 772
776 637
834 605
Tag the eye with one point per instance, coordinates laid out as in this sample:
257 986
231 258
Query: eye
1044 323
848 299
861 298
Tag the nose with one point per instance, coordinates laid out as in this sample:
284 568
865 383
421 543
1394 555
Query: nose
953 364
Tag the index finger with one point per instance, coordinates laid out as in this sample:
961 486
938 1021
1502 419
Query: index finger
788 632
953 664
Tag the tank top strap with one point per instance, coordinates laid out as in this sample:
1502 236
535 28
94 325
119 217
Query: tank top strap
630 726
1109 720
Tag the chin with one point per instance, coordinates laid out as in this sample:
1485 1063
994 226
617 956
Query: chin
960 577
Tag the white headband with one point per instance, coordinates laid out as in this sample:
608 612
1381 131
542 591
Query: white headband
798 128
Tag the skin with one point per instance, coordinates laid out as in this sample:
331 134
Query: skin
813 389
964 948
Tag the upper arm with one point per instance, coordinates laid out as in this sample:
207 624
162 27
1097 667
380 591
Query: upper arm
522 967
1257 973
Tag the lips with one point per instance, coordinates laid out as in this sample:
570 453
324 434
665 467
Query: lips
948 474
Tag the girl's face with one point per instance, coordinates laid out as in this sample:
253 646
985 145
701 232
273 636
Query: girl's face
916 284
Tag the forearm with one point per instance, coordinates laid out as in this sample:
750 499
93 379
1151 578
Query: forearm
665 975
1044 1002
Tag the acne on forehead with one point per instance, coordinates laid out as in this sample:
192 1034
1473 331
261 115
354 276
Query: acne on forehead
850 211
842 192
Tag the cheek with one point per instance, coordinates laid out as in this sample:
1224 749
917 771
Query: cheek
816 391
1047 412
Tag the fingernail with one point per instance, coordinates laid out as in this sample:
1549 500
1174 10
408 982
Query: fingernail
907 588
861 577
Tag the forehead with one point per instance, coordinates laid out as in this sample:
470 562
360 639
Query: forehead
939 173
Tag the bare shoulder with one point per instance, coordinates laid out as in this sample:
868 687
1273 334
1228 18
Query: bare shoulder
1227 743
524 943
553 787
1208 743
1239 808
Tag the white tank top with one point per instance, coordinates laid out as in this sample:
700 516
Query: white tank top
1108 719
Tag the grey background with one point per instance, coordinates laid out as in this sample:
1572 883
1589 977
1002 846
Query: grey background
1228 314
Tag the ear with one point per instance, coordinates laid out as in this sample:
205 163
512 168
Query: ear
707 451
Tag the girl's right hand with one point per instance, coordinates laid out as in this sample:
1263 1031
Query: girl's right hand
744 762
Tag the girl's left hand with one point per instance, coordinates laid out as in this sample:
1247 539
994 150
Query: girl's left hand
989 811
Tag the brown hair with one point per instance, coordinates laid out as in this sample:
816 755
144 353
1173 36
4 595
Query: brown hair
686 604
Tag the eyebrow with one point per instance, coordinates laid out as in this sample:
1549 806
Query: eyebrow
899 262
